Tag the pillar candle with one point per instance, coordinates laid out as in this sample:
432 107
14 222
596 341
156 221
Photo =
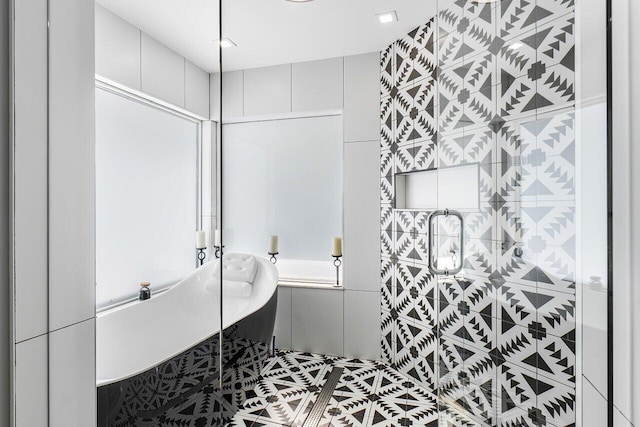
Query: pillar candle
273 244
337 246
201 239
218 239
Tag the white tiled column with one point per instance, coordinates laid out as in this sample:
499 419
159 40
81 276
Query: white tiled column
52 215
5 337
29 227
72 375
362 206
31 385
72 391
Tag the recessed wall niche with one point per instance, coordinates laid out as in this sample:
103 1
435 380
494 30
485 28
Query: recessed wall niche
454 187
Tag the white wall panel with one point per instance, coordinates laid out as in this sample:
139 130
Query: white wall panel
71 164
317 321
5 172
117 49
267 90
362 324
362 97
30 169
127 56
197 89
317 85
72 376
362 216
233 94
31 383
163 72
282 330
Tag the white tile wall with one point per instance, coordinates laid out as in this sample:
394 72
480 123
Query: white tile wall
5 283
362 97
61 390
163 71
362 216
117 48
312 319
30 169
282 330
31 383
72 376
362 324
317 85
127 56
71 163
214 96
196 89
317 320
267 90
233 94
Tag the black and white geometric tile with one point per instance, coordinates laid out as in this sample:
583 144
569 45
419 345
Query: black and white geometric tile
185 390
500 77
367 394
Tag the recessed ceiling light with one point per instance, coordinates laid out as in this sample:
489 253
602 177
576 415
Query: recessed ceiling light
515 46
225 43
299 1
387 17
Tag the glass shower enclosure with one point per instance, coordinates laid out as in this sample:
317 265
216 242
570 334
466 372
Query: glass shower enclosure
470 186
493 190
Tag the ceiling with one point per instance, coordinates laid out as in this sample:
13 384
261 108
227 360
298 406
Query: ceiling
269 32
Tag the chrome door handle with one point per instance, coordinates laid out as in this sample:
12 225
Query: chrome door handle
432 251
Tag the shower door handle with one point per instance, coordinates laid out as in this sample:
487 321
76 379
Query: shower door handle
433 269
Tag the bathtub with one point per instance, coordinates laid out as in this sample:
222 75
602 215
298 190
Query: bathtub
153 356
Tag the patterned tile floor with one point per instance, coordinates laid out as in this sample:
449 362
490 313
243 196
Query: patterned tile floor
367 394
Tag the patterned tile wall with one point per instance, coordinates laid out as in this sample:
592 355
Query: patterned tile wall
490 84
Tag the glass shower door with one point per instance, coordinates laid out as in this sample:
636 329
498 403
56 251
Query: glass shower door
521 154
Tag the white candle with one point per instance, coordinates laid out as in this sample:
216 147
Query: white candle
337 246
201 239
273 245
218 239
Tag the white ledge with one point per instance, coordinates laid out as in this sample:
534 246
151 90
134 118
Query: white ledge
310 285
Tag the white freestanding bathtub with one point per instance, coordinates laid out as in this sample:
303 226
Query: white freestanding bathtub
140 344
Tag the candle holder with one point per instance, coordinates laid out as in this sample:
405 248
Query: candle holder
218 251
337 262
201 254
273 258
